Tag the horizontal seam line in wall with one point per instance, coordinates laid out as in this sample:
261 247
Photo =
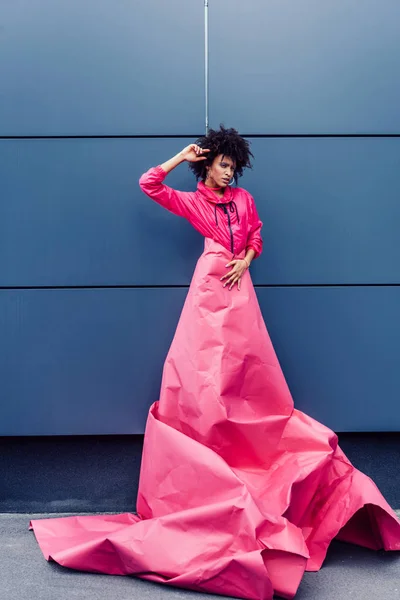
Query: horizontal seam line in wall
90 137
178 286
195 136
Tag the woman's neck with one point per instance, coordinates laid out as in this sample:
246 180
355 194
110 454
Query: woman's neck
212 186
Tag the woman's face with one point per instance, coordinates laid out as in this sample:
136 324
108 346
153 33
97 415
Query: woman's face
220 172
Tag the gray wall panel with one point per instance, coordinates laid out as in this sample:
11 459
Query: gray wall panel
339 349
90 361
72 213
101 67
82 361
306 66
330 208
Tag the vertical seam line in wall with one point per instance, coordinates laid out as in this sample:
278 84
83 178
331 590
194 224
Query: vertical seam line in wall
206 63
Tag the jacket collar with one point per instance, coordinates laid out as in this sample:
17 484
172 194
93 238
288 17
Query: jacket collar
211 196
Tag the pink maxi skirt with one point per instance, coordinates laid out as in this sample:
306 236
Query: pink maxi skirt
239 492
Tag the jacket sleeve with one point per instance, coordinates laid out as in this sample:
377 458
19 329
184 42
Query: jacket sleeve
176 202
254 239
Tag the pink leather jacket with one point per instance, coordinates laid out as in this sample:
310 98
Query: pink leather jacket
231 220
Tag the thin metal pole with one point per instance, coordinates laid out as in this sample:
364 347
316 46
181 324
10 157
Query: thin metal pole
206 59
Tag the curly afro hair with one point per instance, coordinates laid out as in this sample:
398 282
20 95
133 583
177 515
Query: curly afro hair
227 142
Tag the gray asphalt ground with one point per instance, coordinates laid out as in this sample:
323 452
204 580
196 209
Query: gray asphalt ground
349 573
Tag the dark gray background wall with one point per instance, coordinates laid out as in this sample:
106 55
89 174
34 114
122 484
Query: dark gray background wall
93 275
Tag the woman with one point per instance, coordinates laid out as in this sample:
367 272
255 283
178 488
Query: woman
239 492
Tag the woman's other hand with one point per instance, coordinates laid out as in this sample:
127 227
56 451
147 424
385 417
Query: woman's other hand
193 153
239 266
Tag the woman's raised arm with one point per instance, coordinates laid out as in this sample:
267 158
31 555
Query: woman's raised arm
191 153
152 184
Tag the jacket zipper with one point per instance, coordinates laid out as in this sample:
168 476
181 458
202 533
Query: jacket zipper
230 227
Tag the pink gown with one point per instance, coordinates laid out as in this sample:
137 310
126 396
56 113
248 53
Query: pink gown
239 492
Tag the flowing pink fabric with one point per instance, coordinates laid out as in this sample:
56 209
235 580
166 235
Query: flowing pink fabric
239 492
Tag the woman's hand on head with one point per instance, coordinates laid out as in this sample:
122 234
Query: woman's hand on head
239 266
193 153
